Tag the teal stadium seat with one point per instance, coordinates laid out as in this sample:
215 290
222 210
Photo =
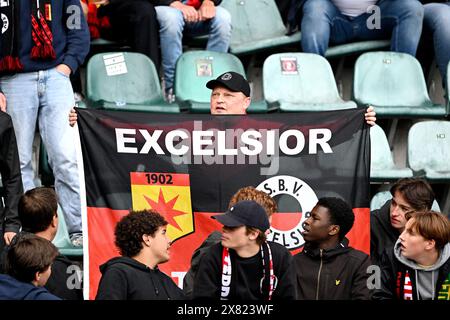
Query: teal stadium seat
382 167
125 81
380 198
257 25
62 240
45 171
448 88
394 84
194 69
429 149
301 82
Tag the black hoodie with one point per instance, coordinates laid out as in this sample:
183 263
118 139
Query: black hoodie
125 278
382 234
334 274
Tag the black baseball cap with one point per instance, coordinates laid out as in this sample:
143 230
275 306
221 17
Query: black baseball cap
232 81
245 213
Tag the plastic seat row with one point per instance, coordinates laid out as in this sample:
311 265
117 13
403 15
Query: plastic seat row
428 153
292 82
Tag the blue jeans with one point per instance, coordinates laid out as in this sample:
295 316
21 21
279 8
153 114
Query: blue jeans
437 22
171 29
45 98
323 23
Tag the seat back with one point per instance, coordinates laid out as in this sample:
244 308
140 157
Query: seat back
195 68
380 198
121 78
62 240
299 78
389 79
429 146
380 152
254 20
448 89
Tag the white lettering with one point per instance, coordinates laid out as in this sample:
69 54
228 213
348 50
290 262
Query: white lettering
121 140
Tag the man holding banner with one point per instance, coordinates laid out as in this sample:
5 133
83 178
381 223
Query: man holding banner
188 166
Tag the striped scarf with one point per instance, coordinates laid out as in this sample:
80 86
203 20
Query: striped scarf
41 16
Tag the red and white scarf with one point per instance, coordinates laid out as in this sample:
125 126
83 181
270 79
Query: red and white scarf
267 284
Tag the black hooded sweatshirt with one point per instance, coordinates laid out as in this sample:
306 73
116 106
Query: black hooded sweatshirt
125 278
382 234
334 274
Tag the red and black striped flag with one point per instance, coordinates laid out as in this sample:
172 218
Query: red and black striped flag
188 166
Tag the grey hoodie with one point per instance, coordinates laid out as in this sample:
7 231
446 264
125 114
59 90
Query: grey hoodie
425 278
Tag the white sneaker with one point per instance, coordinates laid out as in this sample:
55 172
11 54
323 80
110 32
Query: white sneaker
76 239
170 96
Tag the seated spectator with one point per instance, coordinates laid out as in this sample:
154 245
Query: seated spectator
143 244
386 223
38 214
245 193
327 22
244 266
418 267
436 33
190 17
11 181
133 22
327 268
28 267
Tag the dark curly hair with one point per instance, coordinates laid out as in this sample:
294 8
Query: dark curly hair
130 229
341 214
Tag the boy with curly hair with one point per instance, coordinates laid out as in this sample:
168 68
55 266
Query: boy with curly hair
143 244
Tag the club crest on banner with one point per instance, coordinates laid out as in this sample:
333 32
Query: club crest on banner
287 230
167 193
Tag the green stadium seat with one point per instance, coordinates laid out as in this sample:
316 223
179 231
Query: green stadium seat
125 81
382 167
448 88
301 82
429 149
194 69
45 171
62 241
380 198
394 84
257 25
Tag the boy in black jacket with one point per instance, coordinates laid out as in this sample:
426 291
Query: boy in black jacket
418 267
143 243
327 268
386 223
38 214
244 266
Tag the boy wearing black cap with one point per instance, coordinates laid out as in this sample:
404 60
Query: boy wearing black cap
244 265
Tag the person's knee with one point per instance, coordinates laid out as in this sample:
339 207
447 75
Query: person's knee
438 13
143 10
222 20
317 8
411 7
170 19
